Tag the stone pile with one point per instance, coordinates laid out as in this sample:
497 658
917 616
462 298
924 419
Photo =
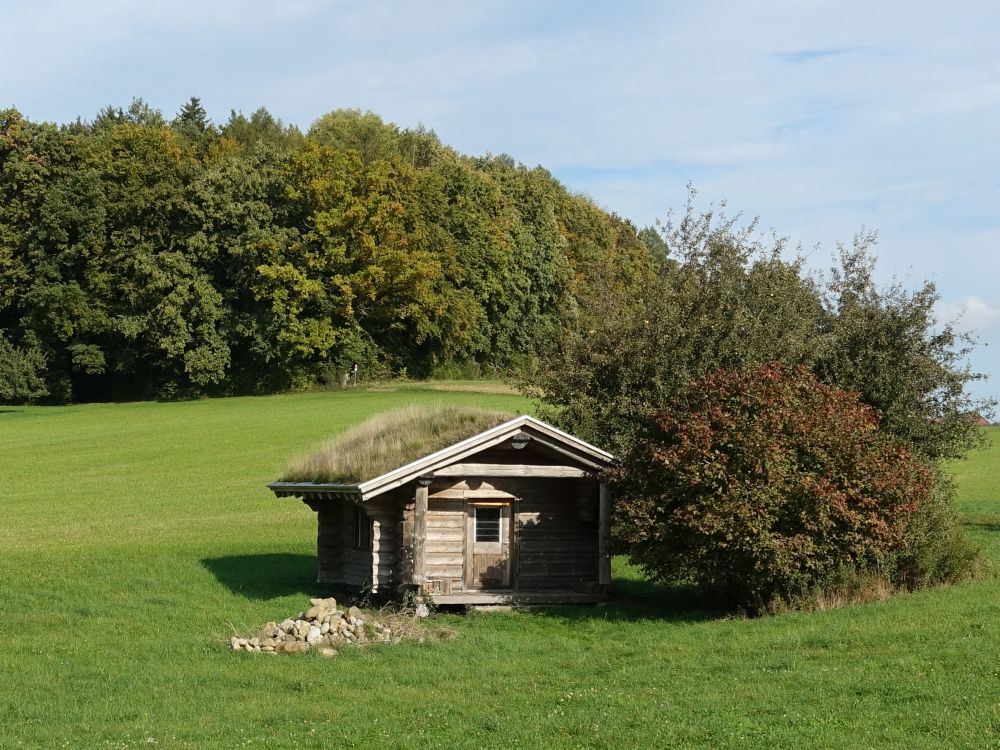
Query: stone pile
321 627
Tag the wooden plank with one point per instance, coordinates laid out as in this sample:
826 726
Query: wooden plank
570 502
445 505
558 558
512 470
562 523
444 484
406 550
444 571
452 550
489 569
541 583
522 598
445 534
513 544
559 572
580 566
603 532
443 547
439 523
528 546
357 568
467 578
450 547
419 532
444 520
444 559
559 536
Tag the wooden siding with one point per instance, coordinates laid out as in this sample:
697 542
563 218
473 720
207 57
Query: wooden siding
557 524
339 560
446 541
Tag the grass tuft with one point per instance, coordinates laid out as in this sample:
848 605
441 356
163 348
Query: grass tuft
390 440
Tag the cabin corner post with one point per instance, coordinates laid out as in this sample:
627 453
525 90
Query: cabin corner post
603 532
420 531
323 534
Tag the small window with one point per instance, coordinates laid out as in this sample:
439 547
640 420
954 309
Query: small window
487 524
362 529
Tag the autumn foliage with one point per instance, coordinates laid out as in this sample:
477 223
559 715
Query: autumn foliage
765 484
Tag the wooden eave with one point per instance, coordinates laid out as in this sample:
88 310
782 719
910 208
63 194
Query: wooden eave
316 490
583 460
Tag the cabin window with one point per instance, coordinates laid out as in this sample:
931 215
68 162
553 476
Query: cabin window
487 524
362 529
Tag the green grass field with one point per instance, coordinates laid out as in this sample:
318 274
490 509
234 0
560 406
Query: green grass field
132 535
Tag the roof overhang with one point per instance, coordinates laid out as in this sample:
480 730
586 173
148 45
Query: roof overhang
586 459
316 490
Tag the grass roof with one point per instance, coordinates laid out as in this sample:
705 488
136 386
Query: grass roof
390 440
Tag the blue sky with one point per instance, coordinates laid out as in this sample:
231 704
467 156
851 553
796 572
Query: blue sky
818 117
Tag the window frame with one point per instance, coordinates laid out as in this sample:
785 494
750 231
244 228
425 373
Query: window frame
499 524
362 528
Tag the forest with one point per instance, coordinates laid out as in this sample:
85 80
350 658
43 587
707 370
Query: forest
146 257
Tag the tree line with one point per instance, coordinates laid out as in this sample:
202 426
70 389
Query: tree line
144 257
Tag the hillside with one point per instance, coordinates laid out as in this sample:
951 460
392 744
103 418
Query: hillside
136 536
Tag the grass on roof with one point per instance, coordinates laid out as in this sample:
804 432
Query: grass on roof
390 440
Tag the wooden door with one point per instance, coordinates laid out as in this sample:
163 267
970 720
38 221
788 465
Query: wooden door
487 547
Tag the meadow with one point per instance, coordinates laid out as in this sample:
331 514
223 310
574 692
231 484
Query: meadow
135 536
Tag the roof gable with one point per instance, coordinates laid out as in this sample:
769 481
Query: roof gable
549 438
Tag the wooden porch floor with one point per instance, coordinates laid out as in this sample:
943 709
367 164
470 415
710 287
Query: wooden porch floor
522 598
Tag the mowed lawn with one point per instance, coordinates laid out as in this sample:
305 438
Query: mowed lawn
133 536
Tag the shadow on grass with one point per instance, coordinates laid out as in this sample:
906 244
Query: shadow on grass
988 526
266 576
634 600
10 411
269 576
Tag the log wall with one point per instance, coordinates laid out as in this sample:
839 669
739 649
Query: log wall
445 546
340 562
557 544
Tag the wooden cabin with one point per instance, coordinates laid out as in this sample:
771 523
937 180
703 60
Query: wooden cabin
514 514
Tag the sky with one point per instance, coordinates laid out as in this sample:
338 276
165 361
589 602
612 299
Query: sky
819 118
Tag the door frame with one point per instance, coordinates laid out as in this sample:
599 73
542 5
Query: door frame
468 567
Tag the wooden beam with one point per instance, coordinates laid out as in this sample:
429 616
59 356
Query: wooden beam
420 532
556 448
519 598
603 530
513 470
488 494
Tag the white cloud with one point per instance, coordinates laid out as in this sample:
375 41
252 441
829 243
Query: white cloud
971 314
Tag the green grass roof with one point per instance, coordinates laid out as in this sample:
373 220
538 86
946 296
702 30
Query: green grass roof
390 440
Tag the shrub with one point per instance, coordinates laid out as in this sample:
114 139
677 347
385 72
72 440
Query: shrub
765 485
21 373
